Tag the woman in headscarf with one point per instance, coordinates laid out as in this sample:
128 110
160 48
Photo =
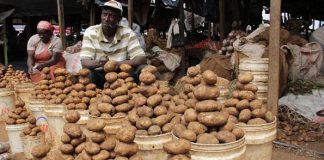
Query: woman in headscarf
44 50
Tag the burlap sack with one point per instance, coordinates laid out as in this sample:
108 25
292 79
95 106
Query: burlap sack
220 64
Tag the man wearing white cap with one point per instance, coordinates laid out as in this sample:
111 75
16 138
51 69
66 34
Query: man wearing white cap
110 41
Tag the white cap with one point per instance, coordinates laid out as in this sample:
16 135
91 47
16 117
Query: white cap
113 4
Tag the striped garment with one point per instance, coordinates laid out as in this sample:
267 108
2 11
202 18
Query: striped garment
124 46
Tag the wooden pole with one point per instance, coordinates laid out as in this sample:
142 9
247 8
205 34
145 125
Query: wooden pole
60 11
130 13
5 44
274 51
222 19
181 22
92 15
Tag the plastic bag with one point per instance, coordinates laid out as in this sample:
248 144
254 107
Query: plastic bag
73 62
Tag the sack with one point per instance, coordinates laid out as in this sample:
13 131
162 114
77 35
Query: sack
304 62
177 41
73 62
219 64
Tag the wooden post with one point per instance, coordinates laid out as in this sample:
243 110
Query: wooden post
222 19
92 15
274 51
60 13
130 13
5 44
181 22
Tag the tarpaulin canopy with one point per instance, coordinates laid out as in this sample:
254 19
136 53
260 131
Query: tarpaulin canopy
41 7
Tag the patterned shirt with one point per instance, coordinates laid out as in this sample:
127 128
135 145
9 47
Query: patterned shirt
124 46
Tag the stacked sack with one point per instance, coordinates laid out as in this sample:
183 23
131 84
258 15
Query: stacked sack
244 104
73 138
152 115
4 151
81 94
206 123
12 78
19 115
178 149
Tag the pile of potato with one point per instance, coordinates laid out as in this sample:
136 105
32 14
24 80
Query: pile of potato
244 104
19 115
101 146
73 138
227 44
12 78
117 92
32 129
81 94
297 133
205 121
152 114
178 149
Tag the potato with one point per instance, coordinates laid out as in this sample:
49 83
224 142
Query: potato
166 97
245 115
206 138
188 135
116 84
111 77
235 94
232 111
154 100
180 109
147 90
269 117
193 80
139 100
95 125
110 66
72 130
193 71
97 137
120 100
79 148
69 82
178 146
197 127
204 92
144 123
119 91
250 87
160 110
71 116
259 113
191 103
129 79
209 77
256 104
226 137
248 95
76 141
178 128
141 132
81 106
105 108
149 68
208 106
238 132
125 149
90 93
147 78
91 148
212 119
40 150
190 115
120 114
256 121
179 157
126 134
245 78
162 120
109 143
154 130
231 102
71 106
132 116
233 119
125 107
66 148
31 119
229 126
144 111
60 79
90 86
243 104
20 121
102 155
168 127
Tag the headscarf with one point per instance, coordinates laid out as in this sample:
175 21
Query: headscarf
45 25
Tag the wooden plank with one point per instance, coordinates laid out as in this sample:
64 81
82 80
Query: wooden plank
92 15
5 46
222 19
60 13
130 13
274 50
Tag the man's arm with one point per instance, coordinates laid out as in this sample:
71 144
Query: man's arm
88 52
91 64
135 52
138 60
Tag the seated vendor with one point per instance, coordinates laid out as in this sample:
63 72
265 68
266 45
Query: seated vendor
44 50
110 41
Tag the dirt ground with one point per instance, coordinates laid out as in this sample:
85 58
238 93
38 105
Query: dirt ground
283 154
